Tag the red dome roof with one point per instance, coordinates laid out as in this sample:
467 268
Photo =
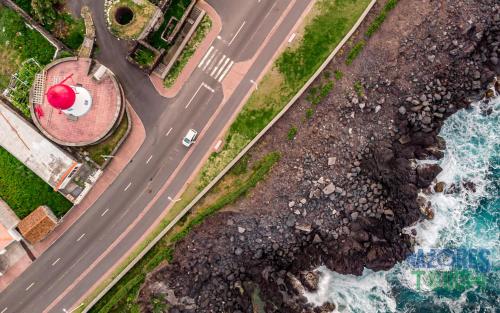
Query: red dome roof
61 96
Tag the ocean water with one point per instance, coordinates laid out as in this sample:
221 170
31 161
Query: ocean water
463 220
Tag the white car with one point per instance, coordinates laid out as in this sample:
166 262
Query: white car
190 138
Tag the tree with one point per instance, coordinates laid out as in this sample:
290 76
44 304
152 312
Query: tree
45 11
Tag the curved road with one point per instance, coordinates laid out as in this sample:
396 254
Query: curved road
61 276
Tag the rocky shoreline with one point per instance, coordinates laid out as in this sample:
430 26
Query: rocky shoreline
349 183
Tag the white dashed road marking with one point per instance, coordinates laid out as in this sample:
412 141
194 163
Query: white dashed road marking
4 310
29 287
55 262
149 159
128 186
80 238
105 211
168 133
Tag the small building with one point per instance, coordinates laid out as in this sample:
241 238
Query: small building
47 160
36 226
11 249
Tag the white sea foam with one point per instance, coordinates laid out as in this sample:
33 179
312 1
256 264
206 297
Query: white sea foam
472 154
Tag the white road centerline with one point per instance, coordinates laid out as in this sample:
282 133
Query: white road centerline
105 211
226 71
128 186
29 287
150 157
4 310
81 236
168 133
55 262
235 35
205 57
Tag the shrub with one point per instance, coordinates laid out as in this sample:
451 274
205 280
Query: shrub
355 51
292 132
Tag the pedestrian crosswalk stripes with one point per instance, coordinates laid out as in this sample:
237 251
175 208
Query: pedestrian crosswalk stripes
216 64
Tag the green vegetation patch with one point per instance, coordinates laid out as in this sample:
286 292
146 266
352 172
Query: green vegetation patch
19 95
372 29
355 51
52 15
189 50
144 57
106 147
175 10
18 42
375 25
122 297
292 132
24 191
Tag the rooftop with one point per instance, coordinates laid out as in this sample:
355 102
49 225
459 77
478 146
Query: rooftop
36 226
97 122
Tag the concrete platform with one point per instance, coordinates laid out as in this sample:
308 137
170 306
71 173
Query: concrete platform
107 105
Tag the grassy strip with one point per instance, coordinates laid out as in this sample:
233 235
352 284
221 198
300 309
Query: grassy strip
23 191
121 298
189 50
372 29
107 146
331 21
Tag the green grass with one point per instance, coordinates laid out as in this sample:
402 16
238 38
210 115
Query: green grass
332 21
379 20
18 43
144 57
189 50
63 25
358 88
176 9
292 132
107 146
355 51
121 298
23 191
338 74
372 29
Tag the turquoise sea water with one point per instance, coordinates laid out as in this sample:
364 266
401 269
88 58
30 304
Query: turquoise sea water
464 220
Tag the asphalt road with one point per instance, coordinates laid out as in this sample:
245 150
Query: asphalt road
123 214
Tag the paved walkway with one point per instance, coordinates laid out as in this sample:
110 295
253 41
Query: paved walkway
195 59
125 153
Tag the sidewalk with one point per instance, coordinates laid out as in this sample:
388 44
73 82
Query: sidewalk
195 59
124 155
